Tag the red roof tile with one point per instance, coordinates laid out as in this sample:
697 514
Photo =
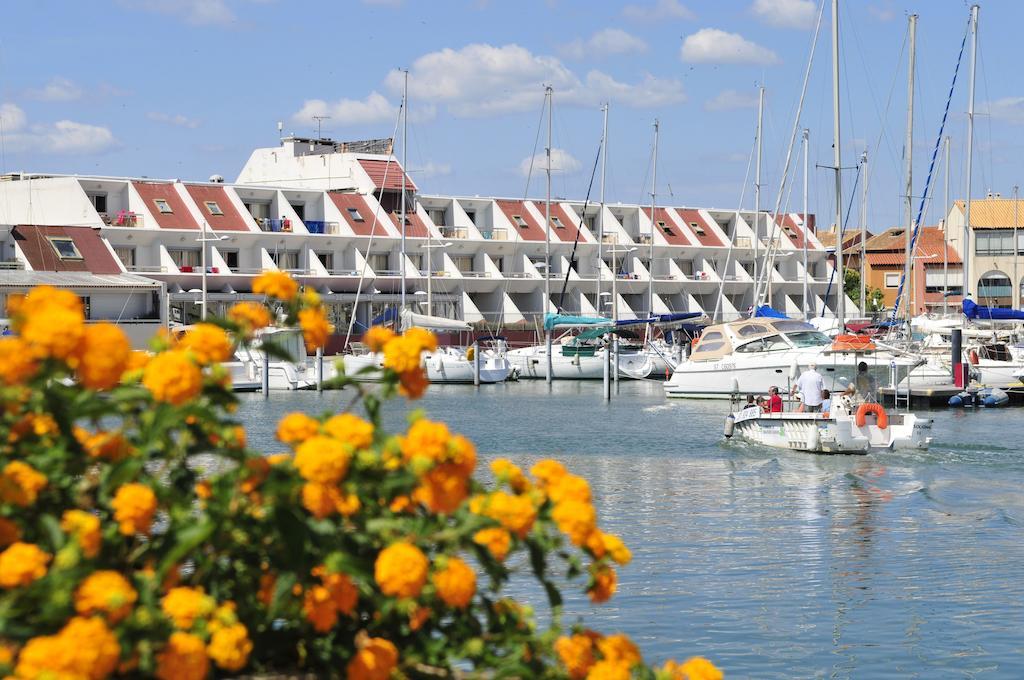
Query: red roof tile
365 225
691 217
228 220
532 231
386 174
414 228
789 221
929 248
178 218
671 231
34 242
567 232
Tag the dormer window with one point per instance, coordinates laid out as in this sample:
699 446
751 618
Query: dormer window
214 208
557 222
66 248
354 214
520 222
665 228
163 206
697 228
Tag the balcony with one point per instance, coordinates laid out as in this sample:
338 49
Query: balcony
610 239
644 239
474 274
321 227
454 232
268 224
495 235
123 218
12 264
743 242
147 268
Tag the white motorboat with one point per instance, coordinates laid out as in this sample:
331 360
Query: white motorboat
868 428
297 372
576 359
753 355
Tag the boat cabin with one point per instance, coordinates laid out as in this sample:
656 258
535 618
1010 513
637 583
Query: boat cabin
756 335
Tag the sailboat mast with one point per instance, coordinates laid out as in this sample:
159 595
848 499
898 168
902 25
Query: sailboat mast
650 256
863 233
405 146
757 194
548 94
1015 295
945 234
806 137
837 158
908 157
970 153
600 214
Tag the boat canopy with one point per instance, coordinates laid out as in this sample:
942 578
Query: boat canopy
433 323
769 313
660 319
552 321
973 310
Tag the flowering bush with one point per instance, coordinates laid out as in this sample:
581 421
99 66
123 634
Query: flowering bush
140 536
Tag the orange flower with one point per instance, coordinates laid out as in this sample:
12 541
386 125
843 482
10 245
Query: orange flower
102 356
515 513
547 471
569 488
20 483
21 564
16 363
182 658
576 653
351 429
172 377
319 608
275 284
601 544
412 384
576 519
110 446
207 343
134 506
609 670
456 583
184 605
401 570
442 489
497 541
320 499
695 668
315 328
322 459
85 528
51 322
230 647
295 428
377 337
250 316
603 586
423 338
402 354
506 471
9 532
619 648
105 592
83 649
374 660
343 591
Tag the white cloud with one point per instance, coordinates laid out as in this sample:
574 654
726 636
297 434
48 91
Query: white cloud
177 120
715 46
200 12
1009 109
483 80
57 90
661 9
785 13
730 100
375 108
605 42
62 137
430 169
883 13
562 162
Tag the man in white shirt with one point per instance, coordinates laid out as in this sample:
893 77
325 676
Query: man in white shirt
811 385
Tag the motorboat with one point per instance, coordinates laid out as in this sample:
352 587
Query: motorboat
753 355
296 372
581 357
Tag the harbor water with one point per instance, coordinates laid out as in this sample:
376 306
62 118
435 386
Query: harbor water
774 564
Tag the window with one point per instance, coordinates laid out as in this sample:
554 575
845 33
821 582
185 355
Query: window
751 329
665 228
464 263
214 208
285 259
126 255
471 214
163 206
300 210
892 280
379 262
697 228
994 242
99 201
327 260
520 221
353 213
437 217
184 258
230 258
66 248
557 222
809 339
936 282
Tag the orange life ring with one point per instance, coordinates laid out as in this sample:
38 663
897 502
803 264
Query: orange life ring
973 356
882 417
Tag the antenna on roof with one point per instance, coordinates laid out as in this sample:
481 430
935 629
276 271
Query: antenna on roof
319 120
280 130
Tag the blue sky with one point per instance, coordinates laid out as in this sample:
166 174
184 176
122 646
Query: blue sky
186 88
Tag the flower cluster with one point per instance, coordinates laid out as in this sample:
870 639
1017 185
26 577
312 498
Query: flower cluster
141 537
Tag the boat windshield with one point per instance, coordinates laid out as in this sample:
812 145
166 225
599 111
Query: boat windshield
809 339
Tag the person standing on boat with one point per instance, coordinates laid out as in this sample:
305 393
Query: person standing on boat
774 401
812 387
865 384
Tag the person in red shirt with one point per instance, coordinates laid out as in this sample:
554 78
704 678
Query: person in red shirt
774 401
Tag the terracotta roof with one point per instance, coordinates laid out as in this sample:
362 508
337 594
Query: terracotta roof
671 232
35 244
993 213
178 218
795 232
530 229
567 232
365 224
377 170
892 245
827 239
229 219
709 237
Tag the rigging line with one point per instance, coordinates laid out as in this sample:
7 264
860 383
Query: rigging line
576 242
536 142
735 228
373 228
928 181
846 221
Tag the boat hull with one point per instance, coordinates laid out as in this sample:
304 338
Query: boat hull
531 362
840 434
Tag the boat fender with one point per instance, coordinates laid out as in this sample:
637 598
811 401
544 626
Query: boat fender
470 353
956 400
973 356
813 438
794 371
730 425
735 385
864 409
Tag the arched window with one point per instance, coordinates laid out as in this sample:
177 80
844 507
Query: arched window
995 289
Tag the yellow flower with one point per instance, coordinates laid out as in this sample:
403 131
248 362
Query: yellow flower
576 653
601 544
348 504
250 316
275 284
515 513
426 439
497 541
401 570
134 506
377 337
295 428
319 608
374 660
569 488
85 528
576 519
402 354
207 343
315 328
548 471
105 592
455 584
102 356
21 564
321 500
322 459
183 605
619 648
423 338
603 586
9 532
172 377
110 446
507 471
230 647
609 670
350 429
84 649
16 363
20 483
182 658
51 322
695 668
310 297
442 489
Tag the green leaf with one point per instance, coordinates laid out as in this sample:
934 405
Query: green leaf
188 539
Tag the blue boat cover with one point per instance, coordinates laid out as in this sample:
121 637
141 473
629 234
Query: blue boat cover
972 310
659 319
390 315
769 313
562 320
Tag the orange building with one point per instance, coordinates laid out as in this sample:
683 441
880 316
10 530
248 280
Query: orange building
937 269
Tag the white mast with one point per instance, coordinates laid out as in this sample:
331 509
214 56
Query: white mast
970 153
600 215
837 158
548 92
757 195
405 147
863 233
650 257
908 157
202 238
1015 295
806 228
